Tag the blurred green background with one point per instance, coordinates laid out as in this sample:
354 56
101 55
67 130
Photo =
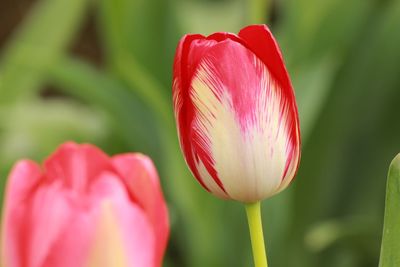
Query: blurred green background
100 72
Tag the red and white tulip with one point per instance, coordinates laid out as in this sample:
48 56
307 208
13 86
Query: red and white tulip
236 113
84 209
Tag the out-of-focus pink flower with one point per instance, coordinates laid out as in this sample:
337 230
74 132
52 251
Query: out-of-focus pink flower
83 208
236 113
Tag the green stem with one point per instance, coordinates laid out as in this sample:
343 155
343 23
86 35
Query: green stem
253 211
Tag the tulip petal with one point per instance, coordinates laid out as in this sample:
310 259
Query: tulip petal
77 165
142 180
182 107
137 234
261 42
24 177
236 113
49 215
108 246
198 45
242 122
84 204
130 239
72 246
41 219
259 39
72 217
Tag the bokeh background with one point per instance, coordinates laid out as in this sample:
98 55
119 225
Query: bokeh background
100 72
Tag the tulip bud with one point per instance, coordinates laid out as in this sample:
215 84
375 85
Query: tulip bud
236 113
84 209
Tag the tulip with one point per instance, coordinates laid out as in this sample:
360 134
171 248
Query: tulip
84 208
236 113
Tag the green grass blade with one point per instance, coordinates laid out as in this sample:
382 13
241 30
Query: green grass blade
390 250
42 38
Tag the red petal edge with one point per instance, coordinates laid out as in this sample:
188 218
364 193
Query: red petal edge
260 41
182 107
183 73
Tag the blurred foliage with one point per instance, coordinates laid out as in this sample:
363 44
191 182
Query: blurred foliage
344 60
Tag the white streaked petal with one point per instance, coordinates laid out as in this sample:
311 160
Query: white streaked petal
291 170
249 158
209 181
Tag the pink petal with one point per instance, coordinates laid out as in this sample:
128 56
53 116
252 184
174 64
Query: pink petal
77 239
261 42
76 165
71 248
24 177
49 215
123 224
140 242
142 180
51 219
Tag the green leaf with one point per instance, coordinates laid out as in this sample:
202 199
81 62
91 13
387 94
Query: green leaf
41 40
390 250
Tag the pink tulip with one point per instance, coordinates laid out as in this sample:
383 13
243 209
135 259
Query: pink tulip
83 208
236 113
